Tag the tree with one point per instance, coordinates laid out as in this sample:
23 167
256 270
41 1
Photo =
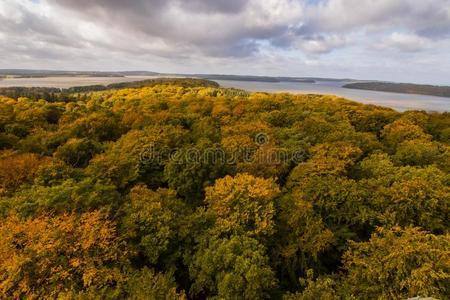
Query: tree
243 205
100 126
327 159
324 287
139 155
234 268
414 196
398 264
47 257
69 195
400 131
206 128
301 238
17 169
343 205
377 165
7 115
193 168
55 173
149 285
417 153
221 193
152 223
77 152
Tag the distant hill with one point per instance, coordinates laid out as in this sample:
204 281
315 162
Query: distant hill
240 78
25 73
253 78
54 73
403 88
138 73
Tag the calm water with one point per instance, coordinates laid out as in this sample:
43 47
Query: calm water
400 102
67 82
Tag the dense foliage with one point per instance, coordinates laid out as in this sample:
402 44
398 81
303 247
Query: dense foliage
184 190
74 93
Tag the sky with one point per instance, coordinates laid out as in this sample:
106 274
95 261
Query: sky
396 40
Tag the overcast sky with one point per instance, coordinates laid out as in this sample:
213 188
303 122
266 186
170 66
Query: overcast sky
400 40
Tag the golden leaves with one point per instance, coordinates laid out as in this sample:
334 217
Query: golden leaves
18 168
47 255
243 203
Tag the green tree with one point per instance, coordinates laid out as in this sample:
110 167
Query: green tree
234 268
139 155
398 264
414 196
149 285
153 222
69 195
417 153
78 152
193 168
301 238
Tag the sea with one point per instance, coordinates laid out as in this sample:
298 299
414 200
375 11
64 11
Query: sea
397 101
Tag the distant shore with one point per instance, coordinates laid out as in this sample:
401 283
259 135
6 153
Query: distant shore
402 88
395 95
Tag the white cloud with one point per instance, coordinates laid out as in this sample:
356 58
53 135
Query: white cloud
406 42
290 37
426 17
322 44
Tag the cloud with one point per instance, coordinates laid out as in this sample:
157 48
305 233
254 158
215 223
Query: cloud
222 28
321 44
215 6
236 35
20 21
28 35
403 25
213 27
406 42
425 17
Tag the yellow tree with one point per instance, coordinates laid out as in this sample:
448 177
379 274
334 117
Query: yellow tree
399 263
47 256
18 168
243 204
400 131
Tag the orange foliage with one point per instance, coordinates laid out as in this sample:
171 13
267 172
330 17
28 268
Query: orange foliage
46 256
16 169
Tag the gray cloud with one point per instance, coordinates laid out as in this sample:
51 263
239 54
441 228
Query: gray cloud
152 7
215 6
25 24
425 17
213 27
238 28
180 33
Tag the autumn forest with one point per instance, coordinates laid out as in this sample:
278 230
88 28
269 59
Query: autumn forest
181 189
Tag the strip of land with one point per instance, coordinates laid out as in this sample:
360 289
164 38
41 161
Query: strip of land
402 88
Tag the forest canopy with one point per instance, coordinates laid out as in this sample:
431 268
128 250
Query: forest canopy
185 190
